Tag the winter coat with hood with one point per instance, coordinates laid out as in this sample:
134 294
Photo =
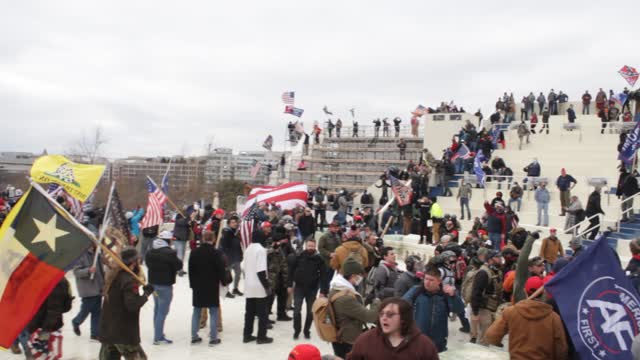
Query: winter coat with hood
343 251
163 263
87 286
593 204
134 222
431 312
351 314
530 319
206 272
373 345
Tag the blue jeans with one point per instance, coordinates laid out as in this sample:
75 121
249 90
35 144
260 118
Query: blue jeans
459 164
180 248
543 209
495 240
90 305
341 217
213 326
161 304
464 202
518 201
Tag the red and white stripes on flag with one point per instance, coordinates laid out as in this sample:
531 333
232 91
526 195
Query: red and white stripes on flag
75 205
288 97
54 346
286 196
154 214
255 168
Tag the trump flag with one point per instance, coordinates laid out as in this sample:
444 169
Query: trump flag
598 304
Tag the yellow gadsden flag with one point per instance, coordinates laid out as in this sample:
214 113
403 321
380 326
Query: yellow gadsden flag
78 180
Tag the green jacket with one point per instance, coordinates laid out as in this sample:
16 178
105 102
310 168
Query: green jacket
327 244
522 270
351 314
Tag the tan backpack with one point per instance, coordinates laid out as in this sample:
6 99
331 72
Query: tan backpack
324 317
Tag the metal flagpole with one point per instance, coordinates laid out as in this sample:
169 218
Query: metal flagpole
103 228
89 234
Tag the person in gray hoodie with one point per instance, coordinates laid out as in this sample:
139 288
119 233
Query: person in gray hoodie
89 281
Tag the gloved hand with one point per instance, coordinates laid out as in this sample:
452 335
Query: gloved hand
536 234
148 289
369 299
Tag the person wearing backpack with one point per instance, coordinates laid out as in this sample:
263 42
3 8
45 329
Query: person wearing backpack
350 313
384 277
351 248
486 295
432 302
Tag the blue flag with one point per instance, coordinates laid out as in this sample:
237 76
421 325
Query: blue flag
630 145
598 304
477 167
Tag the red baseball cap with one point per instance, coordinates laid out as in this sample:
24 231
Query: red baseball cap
533 283
218 212
265 224
305 352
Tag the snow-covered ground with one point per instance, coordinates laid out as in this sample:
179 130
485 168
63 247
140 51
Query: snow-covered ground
178 327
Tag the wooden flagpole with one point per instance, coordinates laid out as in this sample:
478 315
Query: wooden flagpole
91 236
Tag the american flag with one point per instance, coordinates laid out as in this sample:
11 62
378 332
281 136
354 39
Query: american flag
289 109
255 168
75 205
246 226
54 345
153 215
402 192
419 111
288 97
287 196
462 152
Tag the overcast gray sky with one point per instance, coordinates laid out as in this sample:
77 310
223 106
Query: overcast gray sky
163 77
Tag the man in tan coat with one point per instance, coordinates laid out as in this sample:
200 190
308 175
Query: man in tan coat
535 331
550 249
351 247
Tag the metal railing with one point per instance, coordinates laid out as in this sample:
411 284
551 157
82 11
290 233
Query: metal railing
370 131
624 213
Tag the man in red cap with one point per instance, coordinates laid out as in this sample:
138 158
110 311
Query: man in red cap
530 319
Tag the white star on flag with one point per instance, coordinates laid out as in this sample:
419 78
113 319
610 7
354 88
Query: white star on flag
48 232
585 311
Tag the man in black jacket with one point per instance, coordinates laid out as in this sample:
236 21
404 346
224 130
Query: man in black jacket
306 273
593 207
120 321
206 274
307 225
627 187
485 296
231 247
163 264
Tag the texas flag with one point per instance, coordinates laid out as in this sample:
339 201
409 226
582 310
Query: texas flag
38 243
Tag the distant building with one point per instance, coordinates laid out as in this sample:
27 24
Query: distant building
17 162
244 165
184 172
219 165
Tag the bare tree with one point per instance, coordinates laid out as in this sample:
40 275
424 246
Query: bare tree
89 148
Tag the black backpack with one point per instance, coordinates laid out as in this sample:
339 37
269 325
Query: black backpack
150 232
